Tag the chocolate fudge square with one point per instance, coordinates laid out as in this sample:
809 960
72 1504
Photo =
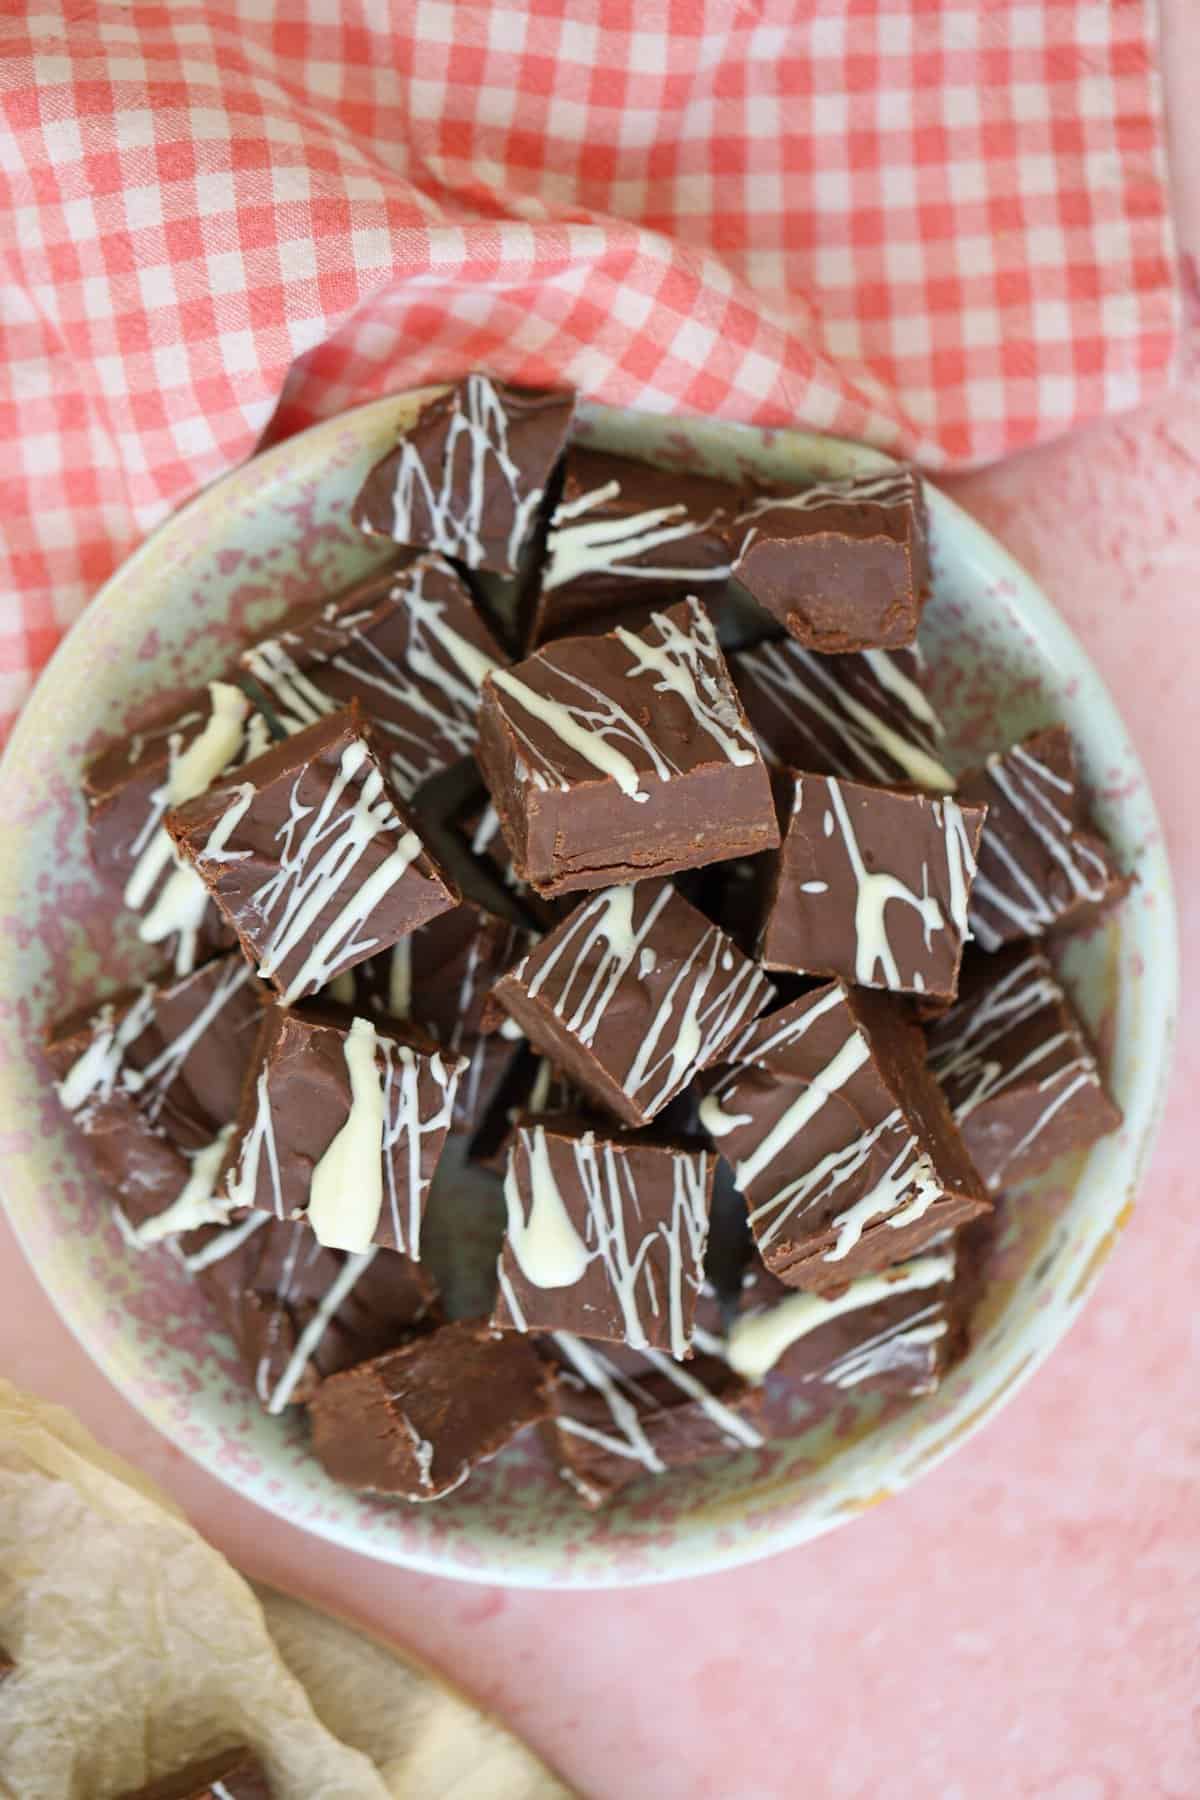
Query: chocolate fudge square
605 1235
309 857
632 995
297 1312
621 1416
230 1775
1015 1064
128 789
415 1422
624 530
839 1138
619 757
1041 865
407 644
342 1122
470 475
152 1077
872 884
843 565
863 717
895 1332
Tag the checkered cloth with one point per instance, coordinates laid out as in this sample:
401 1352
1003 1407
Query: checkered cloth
941 225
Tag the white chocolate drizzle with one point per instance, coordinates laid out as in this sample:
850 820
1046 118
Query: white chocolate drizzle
180 905
439 508
551 1253
346 1193
758 1339
702 1001
863 741
1036 795
891 488
580 545
629 1402
609 735
197 1203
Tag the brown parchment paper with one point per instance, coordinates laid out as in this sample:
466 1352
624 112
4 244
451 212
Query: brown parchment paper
138 1648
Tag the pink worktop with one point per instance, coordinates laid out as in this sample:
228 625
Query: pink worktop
1024 1621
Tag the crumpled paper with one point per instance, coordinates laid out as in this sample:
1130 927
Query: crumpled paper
139 1648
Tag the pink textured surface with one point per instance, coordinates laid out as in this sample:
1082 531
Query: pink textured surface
1022 1623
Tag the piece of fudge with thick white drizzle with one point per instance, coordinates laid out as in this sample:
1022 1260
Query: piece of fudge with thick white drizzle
605 1234
342 1122
310 858
632 995
839 1138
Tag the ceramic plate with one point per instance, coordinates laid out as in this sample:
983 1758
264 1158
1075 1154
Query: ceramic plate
276 532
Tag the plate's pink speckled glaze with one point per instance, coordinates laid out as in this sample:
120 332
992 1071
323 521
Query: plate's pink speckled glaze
276 531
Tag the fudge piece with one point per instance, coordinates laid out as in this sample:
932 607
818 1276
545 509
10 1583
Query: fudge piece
469 476
872 884
614 758
605 1235
622 527
863 717
342 1121
839 1138
1012 1059
152 1078
229 1775
1040 864
620 1415
896 1332
128 789
417 1421
407 644
298 1312
631 995
843 565
309 858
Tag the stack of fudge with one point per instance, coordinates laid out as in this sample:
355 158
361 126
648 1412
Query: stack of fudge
741 995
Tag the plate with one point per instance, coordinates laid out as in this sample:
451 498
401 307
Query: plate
276 532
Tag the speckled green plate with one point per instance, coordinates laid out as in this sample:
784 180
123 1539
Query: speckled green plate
276 531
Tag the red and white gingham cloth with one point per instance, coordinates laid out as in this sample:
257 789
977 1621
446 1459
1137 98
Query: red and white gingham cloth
941 225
